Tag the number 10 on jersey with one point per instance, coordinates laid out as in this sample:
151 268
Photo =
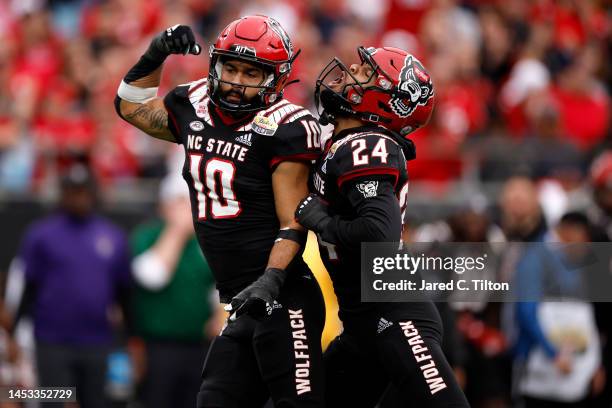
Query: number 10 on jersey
213 182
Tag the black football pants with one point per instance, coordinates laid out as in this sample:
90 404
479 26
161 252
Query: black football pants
398 347
279 357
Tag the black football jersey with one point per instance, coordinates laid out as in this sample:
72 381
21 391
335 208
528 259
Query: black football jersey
357 158
229 172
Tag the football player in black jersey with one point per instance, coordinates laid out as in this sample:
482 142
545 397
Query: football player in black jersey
361 186
248 153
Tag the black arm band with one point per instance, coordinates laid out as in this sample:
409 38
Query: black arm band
294 235
149 62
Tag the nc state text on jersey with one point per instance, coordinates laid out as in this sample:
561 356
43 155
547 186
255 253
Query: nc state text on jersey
319 183
221 147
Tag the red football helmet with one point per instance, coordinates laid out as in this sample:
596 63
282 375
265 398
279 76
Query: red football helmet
401 98
261 41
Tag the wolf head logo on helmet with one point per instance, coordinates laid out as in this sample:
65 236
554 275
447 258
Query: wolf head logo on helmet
280 31
416 83
398 94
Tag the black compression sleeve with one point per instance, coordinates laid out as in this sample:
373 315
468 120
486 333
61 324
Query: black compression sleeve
143 67
379 218
149 62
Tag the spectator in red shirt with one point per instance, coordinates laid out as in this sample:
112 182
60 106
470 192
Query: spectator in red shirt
582 99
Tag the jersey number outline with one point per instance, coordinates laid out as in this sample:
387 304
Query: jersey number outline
223 205
313 134
361 159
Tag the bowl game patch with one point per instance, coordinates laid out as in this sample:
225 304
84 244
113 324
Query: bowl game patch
264 126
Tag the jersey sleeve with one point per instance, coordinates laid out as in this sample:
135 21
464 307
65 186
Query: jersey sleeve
175 102
296 140
367 155
378 214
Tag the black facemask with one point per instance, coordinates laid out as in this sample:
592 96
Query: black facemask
333 106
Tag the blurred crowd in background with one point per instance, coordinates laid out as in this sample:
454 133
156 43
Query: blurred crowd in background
517 148
518 82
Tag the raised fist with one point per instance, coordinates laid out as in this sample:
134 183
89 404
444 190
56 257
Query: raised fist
178 39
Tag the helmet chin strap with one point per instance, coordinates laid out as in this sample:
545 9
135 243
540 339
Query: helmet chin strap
326 118
334 106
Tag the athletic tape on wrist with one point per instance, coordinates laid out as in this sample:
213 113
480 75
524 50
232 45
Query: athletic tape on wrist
293 235
135 94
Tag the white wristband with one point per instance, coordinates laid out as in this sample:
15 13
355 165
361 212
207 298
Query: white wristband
135 94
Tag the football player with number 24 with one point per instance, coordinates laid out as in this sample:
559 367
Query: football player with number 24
360 184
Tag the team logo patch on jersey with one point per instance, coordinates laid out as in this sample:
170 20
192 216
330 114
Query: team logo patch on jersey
368 188
264 126
196 125
418 91
245 139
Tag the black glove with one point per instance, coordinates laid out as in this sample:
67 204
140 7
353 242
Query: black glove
258 298
178 39
312 213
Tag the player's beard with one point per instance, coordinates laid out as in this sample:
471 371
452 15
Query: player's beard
239 98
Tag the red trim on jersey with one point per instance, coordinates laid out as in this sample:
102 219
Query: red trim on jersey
328 144
288 115
195 88
230 121
368 172
225 118
293 157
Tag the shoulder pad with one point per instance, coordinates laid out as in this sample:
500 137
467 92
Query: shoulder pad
268 120
197 93
296 139
285 112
